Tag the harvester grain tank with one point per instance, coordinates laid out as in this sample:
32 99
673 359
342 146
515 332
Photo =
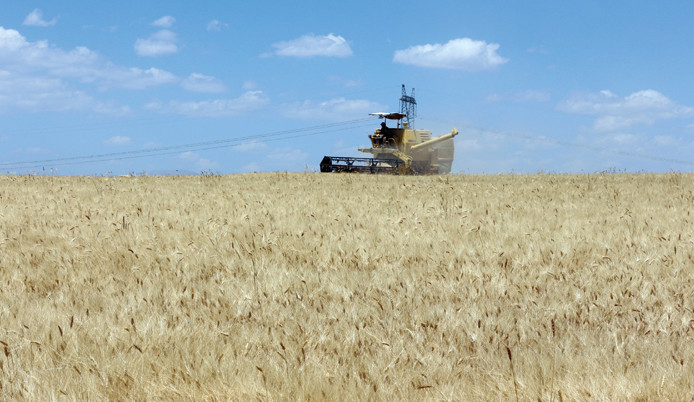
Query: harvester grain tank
400 148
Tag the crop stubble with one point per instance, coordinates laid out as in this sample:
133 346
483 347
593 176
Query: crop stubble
310 286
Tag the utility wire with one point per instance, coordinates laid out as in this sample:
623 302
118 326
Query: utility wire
199 146
572 144
170 152
294 133
592 148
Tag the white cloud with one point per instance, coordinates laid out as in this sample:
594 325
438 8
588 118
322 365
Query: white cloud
160 43
137 78
613 123
203 83
22 57
41 93
11 40
38 76
331 109
118 141
458 54
247 102
36 93
312 45
617 113
35 19
216 25
164 22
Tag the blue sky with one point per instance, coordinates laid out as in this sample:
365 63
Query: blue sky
228 87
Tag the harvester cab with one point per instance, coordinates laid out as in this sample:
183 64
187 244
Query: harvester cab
388 136
398 148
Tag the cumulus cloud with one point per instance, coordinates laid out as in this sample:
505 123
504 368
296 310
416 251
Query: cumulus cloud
331 109
40 93
617 113
249 101
164 22
312 45
458 54
160 43
137 78
18 55
203 83
118 141
39 76
35 19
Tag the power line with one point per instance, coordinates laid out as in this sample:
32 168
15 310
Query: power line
289 134
594 148
199 146
574 144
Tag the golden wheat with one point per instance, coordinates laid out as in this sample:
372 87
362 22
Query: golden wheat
310 286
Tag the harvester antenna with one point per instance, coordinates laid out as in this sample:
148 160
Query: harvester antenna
408 106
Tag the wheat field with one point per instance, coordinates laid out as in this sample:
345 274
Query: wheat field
282 286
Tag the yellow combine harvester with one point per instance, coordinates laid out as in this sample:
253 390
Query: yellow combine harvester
400 149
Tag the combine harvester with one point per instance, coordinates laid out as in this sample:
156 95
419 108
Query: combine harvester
400 149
